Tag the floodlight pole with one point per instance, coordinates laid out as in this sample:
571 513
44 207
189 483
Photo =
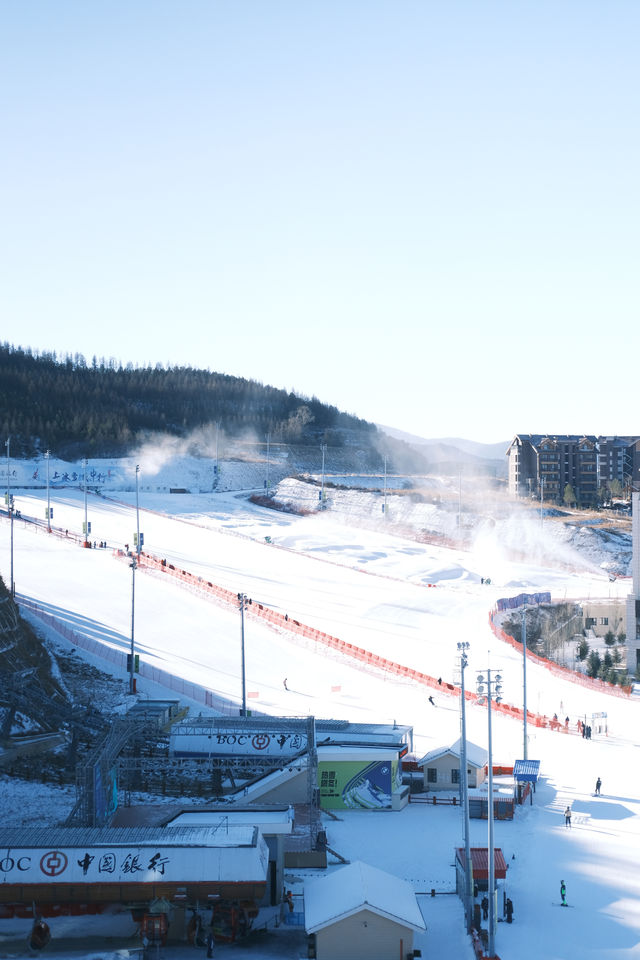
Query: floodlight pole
492 684
464 784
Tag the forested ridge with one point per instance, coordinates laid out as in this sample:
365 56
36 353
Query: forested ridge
66 404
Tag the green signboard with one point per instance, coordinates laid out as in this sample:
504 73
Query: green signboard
357 785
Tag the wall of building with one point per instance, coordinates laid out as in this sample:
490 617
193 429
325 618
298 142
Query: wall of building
364 936
446 768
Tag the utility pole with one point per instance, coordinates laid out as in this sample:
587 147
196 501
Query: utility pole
463 647
493 686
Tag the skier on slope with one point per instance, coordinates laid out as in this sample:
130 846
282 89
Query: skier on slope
563 894
598 785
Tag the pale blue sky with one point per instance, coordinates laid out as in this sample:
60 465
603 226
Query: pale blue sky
426 213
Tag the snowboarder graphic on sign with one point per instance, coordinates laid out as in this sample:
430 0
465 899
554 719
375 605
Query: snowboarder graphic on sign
563 894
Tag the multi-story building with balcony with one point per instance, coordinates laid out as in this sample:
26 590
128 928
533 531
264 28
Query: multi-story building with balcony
544 464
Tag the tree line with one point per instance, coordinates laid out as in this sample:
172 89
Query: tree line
101 408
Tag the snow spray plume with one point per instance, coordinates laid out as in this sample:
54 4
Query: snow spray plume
161 449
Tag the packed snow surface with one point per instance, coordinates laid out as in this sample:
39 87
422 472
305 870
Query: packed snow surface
409 601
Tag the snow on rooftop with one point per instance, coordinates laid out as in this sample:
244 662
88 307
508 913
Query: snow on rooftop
355 887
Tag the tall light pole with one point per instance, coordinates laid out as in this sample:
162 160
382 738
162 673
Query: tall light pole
12 585
132 681
525 739
244 602
86 524
47 456
323 447
137 514
7 444
217 464
384 505
541 502
267 480
493 686
464 787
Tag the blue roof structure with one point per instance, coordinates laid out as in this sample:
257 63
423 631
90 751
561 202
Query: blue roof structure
526 770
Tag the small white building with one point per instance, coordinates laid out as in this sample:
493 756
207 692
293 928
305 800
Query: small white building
441 767
361 913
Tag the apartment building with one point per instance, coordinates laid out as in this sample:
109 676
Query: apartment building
543 464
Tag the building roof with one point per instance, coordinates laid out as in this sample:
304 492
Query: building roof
269 821
526 770
476 756
358 887
480 862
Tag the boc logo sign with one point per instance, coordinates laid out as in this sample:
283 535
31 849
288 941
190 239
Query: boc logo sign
53 863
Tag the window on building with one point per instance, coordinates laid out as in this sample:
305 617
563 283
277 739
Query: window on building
432 774
455 775
604 621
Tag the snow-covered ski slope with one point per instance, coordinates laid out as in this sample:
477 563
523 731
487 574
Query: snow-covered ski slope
370 589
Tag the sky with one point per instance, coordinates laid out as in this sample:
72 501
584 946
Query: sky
413 211
368 587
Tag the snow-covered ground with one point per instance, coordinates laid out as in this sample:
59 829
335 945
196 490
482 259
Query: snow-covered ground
408 601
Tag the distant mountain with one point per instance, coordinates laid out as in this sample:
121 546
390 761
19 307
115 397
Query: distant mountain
451 455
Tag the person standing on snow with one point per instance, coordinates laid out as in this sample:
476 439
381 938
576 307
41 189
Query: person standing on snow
598 785
567 817
563 894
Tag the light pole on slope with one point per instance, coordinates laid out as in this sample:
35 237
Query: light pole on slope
138 544
47 456
132 680
244 602
87 528
491 687
463 647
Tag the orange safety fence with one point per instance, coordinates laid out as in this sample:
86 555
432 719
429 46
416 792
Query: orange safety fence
562 672
284 622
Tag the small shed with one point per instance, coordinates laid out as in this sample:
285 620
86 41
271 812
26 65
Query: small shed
361 913
479 867
526 773
441 767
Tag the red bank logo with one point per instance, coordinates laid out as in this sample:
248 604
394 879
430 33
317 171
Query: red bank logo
260 741
53 863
